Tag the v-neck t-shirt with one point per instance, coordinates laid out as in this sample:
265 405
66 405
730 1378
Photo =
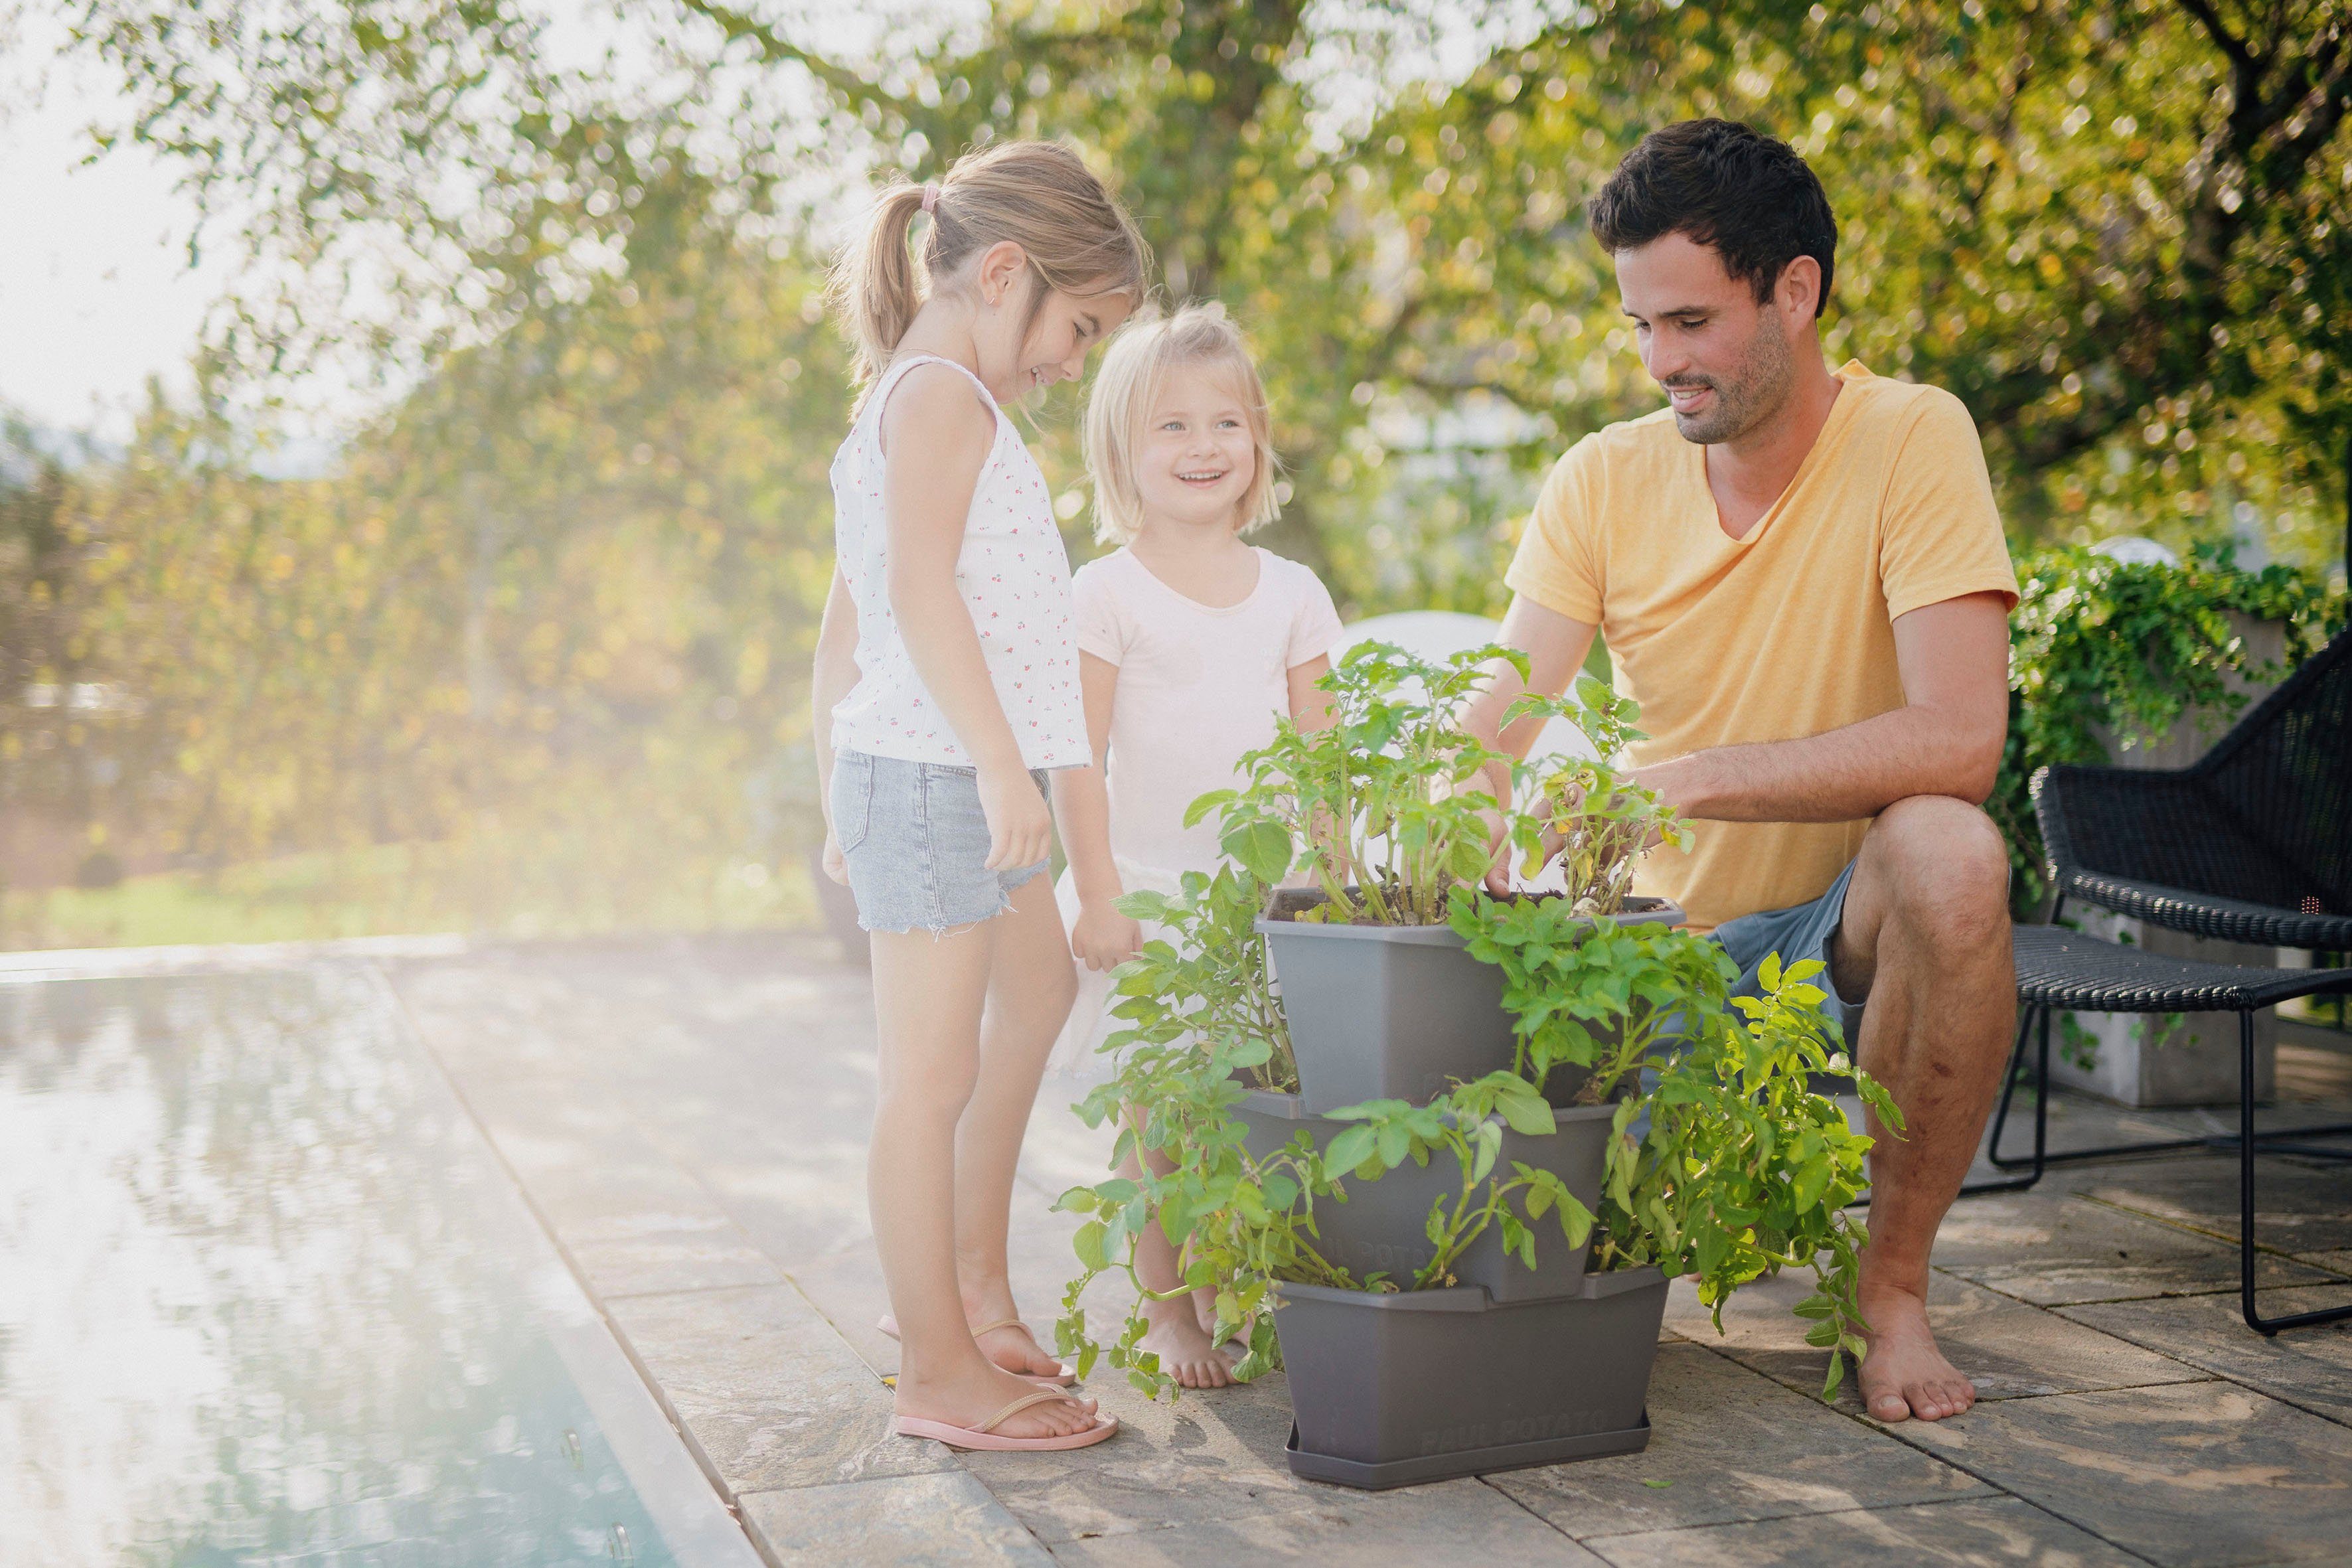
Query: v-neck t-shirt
1785 633
1199 685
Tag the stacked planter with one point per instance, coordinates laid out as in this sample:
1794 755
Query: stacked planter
1509 1367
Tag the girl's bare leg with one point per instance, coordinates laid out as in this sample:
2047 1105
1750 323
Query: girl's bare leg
1031 984
928 995
1179 1336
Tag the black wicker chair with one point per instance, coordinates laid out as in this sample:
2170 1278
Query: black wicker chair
2252 843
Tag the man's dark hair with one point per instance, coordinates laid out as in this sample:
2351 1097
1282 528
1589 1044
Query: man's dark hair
1724 186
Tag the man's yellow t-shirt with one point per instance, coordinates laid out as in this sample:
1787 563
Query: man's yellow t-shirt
1784 634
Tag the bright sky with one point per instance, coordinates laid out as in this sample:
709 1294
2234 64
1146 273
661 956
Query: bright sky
96 293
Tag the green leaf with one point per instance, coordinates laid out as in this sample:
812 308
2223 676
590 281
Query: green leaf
1264 848
1088 1242
1350 1149
1528 1115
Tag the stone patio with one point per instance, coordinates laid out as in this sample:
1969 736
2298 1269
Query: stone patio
689 1119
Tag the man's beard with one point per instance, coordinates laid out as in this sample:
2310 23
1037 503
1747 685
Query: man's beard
1755 394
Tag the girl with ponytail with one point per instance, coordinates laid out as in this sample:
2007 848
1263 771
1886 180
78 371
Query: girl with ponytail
945 689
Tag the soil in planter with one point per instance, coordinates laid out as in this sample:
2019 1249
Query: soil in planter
1397 1012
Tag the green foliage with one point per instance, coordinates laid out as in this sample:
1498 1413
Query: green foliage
1745 1170
1742 1170
1597 820
1378 809
1211 981
2099 646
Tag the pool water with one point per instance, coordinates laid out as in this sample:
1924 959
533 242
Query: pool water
266 1296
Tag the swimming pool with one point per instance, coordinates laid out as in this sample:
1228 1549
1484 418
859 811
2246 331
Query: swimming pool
267 1296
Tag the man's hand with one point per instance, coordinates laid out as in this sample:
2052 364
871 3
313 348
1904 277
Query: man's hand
1103 939
1020 827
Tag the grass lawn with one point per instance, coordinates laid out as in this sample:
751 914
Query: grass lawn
405 889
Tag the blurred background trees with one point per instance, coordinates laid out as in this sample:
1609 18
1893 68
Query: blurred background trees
541 625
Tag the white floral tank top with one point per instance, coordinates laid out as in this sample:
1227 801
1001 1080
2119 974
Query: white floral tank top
1014 575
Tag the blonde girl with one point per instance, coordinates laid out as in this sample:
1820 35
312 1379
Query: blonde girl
946 690
1191 643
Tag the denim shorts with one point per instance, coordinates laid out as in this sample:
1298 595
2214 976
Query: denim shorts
916 843
1798 933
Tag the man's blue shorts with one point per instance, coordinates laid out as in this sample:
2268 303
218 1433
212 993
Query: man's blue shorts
1796 933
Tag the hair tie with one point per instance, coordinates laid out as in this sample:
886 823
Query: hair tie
930 199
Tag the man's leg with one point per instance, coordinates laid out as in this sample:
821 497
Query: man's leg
1926 937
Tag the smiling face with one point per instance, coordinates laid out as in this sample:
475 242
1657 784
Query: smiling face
1727 362
1195 456
1022 350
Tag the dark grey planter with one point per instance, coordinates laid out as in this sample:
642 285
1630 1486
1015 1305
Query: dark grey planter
1383 1226
1394 1390
1397 1012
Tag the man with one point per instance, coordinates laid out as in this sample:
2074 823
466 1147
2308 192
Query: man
1801 576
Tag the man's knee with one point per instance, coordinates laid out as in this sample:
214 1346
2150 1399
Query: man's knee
1942 865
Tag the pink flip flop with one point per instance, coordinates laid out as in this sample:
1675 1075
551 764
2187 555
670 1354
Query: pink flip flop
1068 1375
984 1434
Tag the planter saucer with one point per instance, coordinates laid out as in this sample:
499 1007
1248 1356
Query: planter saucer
1476 1461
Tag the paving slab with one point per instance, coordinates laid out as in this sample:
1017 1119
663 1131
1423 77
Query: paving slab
945 1519
2300 1207
655 1260
1414 1527
2007 1349
2204 1475
2310 1367
1977 1533
2053 1249
1728 1444
1210 1456
767 1390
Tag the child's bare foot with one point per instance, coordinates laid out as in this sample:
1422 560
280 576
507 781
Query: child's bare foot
1003 1338
1186 1352
1008 1343
970 1397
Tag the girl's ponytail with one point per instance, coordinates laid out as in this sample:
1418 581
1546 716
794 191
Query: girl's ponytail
1039 195
875 288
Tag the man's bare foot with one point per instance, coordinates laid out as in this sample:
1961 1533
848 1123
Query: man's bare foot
1905 1374
971 1397
1185 1351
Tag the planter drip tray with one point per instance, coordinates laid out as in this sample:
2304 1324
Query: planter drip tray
1468 1462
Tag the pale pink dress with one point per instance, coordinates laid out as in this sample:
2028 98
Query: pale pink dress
1199 686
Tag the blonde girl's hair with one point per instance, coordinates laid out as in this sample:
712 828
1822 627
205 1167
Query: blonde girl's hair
1039 195
1135 369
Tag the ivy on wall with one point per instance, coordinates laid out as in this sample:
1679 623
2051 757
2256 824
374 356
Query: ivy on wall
2130 647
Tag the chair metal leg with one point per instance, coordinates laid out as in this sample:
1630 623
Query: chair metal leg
2246 1249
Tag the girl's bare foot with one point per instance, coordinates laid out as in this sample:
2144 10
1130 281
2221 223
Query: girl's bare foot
1185 1351
971 1396
1012 1346
997 1327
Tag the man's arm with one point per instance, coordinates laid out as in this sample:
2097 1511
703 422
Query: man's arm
1946 739
1555 646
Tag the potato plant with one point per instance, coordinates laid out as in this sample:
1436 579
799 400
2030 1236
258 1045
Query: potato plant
1383 810
1723 1162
